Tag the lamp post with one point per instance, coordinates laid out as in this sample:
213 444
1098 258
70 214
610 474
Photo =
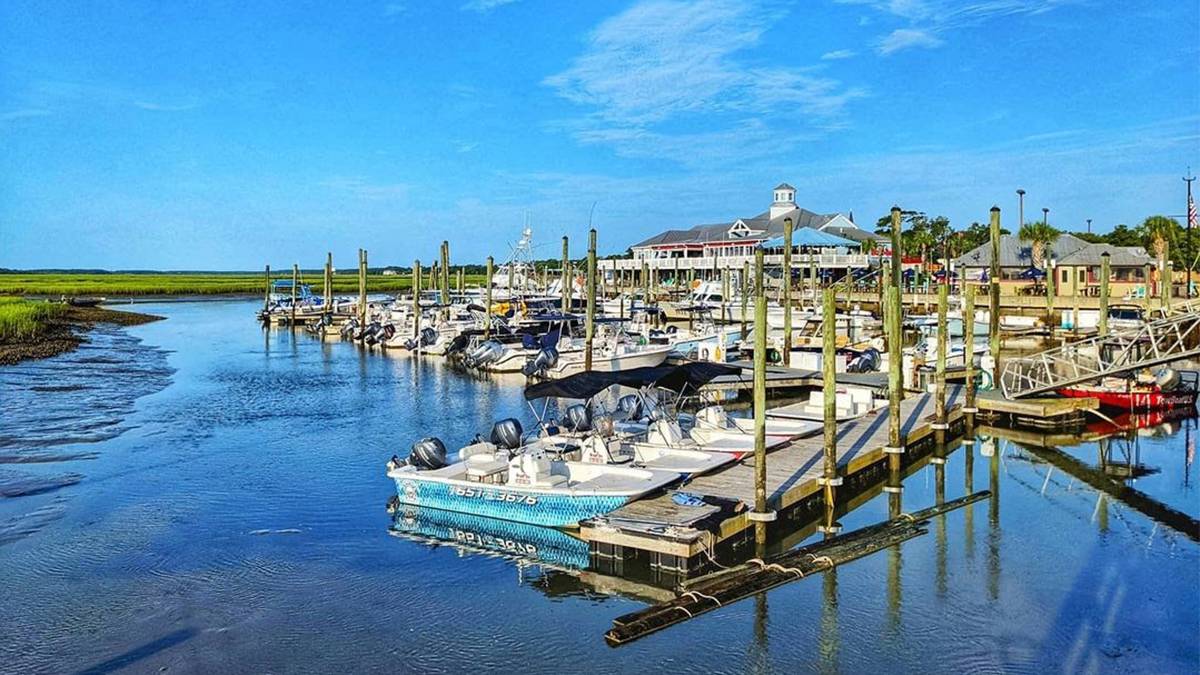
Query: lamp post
1020 208
1045 216
1191 208
1089 222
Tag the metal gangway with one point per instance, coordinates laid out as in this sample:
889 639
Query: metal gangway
1173 337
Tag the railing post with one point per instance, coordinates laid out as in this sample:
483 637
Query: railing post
787 292
591 300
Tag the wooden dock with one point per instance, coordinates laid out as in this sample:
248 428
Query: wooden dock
676 535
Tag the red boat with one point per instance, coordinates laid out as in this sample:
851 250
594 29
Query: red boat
1173 389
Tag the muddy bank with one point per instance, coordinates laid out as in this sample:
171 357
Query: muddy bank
65 332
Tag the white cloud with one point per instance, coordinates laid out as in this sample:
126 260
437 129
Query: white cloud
908 38
23 113
394 9
838 54
640 79
484 6
360 187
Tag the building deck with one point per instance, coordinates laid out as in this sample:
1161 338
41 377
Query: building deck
661 526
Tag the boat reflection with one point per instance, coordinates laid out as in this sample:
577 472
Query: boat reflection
544 545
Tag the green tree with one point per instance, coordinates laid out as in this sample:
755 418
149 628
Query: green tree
1158 233
1039 235
1122 235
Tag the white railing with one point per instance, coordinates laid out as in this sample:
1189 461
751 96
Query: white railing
736 262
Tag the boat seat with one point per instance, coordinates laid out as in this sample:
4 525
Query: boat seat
551 480
486 468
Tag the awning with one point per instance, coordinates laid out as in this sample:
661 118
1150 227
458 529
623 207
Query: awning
589 383
807 236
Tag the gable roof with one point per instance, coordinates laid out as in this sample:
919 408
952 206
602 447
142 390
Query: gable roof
762 226
809 236
1120 256
1066 250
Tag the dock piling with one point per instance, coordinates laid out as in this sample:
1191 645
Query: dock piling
566 277
969 409
487 312
1104 272
295 281
745 295
761 516
1149 290
416 300
591 300
829 478
328 281
939 396
1075 302
787 292
267 294
994 291
362 287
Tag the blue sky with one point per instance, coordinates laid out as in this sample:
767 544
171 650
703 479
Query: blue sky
225 135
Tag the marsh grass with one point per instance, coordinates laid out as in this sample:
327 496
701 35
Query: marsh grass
55 285
23 319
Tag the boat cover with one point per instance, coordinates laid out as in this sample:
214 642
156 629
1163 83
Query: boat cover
589 383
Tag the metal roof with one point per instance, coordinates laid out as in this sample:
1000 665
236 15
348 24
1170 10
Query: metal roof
807 236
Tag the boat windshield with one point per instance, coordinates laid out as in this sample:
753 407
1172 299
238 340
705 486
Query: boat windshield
1125 313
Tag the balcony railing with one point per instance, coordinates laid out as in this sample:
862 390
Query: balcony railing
801 260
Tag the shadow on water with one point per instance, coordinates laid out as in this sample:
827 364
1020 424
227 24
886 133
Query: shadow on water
139 653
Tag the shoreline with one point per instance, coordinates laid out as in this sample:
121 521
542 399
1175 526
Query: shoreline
65 332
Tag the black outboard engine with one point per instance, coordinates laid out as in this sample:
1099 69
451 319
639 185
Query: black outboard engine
866 362
578 418
458 344
506 434
428 453
630 406
428 336
484 354
545 359
372 333
349 328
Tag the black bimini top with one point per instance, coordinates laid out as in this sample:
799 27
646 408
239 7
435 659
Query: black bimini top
589 383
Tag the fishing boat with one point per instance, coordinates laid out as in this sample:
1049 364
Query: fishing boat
522 482
1164 390
850 403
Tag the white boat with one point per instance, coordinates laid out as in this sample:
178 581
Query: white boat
523 483
850 403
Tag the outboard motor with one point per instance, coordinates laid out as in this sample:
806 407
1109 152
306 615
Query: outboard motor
866 362
388 332
630 406
484 354
458 344
506 434
545 359
349 328
1167 379
428 453
372 333
428 336
578 418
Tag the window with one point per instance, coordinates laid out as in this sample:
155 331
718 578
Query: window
1063 277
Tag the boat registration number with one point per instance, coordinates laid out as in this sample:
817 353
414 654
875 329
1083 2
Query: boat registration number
492 496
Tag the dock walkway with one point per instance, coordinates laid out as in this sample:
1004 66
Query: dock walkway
661 526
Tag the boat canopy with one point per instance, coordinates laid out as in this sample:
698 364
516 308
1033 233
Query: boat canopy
589 383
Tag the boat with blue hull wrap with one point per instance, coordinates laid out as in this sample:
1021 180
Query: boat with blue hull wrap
544 545
546 507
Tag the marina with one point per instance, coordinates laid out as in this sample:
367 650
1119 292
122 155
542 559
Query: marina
517 336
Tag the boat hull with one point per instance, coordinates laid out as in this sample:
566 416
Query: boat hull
518 505
1133 400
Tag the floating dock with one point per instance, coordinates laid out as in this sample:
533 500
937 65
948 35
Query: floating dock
681 538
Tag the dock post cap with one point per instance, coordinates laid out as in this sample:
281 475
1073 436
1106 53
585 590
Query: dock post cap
832 482
970 410
829 529
995 208
937 460
893 489
764 517
968 441
938 426
895 208
892 450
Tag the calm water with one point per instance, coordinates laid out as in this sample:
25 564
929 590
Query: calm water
199 496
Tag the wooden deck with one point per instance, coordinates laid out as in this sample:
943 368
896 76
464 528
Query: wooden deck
659 525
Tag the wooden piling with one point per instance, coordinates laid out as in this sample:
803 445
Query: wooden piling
969 351
566 277
745 295
267 292
830 478
896 261
761 514
1168 272
787 292
1149 290
487 312
994 291
645 292
328 287
1104 272
591 300
1051 295
939 396
725 289
895 363
1075 301
362 287
416 299
444 278
295 281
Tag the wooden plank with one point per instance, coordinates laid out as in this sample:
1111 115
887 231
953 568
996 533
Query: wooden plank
994 401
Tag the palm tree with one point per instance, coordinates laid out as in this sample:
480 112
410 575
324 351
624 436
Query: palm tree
1159 233
1039 235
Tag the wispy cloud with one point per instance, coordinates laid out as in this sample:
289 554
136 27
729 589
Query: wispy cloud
908 38
639 80
364 189
165 107
23 113
484 6
930 20
838 54
461 146
393 9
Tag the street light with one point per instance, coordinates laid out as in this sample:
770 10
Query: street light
1089 221
1045 215
1020 207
